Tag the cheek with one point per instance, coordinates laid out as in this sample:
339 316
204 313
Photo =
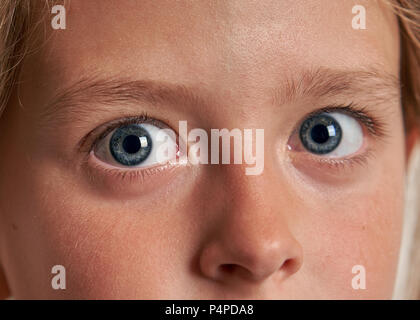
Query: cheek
370 238
359 232
358 226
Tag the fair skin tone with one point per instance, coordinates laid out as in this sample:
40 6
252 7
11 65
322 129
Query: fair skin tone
207 231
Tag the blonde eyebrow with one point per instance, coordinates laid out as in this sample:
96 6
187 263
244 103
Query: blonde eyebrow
372 84
109 93
106 93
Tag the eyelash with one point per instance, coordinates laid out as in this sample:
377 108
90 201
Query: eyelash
375 127
131 175
142 118
344 164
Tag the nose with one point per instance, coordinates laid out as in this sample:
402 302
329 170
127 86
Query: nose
251 240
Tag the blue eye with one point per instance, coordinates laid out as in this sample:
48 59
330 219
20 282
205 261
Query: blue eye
130 145
333 134
137 145
320 134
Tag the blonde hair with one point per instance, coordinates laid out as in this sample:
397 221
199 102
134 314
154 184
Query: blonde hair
17 26
408 13
14 26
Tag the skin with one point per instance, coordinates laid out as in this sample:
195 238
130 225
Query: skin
201 232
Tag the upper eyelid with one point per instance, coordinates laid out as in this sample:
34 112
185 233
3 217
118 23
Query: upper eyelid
374 124
87 143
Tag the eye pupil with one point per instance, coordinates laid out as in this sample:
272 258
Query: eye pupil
131 144
319 133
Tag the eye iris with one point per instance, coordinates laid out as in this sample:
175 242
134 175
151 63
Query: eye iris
320 134
130 145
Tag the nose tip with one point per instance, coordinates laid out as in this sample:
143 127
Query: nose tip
252 262
249 237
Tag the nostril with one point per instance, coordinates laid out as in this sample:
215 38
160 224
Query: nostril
232 270
290 266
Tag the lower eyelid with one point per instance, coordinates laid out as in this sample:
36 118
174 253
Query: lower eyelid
127 183
330 169
125 171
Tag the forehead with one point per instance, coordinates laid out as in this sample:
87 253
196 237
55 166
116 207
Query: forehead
232 44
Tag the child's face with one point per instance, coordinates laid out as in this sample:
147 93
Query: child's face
205 231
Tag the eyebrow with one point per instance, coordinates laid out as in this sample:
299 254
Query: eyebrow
108 93
373 85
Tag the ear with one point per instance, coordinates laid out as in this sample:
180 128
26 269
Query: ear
412 138
4 290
